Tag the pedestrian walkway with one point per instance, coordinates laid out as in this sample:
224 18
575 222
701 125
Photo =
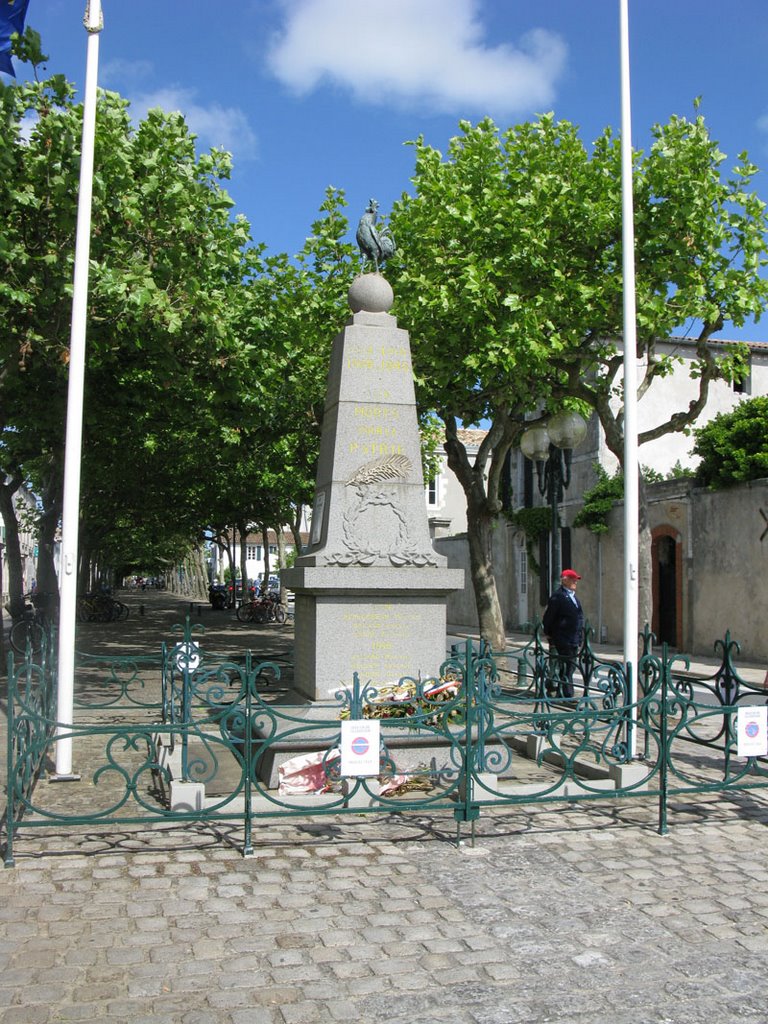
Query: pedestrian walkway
568 913
553 915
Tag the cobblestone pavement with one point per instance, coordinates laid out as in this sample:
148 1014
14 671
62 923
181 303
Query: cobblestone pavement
566 913
559 914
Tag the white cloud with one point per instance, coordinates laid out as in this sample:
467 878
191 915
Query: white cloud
127 72
213 124
429 52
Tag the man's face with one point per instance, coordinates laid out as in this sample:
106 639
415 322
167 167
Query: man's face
569 582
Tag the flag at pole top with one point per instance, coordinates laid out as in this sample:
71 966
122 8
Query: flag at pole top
12 15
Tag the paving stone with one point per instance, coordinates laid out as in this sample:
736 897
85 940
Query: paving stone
571 913
256 1015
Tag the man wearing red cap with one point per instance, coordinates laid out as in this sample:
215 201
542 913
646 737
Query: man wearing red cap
563 624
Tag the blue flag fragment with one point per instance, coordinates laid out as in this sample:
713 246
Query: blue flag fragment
12 15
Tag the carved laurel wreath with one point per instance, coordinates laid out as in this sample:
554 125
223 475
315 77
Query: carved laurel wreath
365 480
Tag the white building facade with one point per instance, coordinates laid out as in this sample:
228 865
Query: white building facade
676 520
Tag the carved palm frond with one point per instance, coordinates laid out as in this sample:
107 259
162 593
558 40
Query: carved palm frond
388 467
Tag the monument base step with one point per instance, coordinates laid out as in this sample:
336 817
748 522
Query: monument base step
411 753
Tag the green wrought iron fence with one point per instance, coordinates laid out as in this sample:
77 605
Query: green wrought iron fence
190 737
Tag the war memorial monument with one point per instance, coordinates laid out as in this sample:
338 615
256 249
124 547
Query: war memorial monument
370 590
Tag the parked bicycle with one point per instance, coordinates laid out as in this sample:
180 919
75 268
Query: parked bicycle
263 608
30 631
100 607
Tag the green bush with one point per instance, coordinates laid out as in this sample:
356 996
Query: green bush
733 447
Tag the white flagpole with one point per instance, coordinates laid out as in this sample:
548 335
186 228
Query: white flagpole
631 490
74 435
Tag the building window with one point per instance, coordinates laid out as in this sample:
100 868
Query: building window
433 492
253 552
744 386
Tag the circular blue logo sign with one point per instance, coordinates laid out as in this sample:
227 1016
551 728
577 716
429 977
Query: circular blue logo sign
752 729
360 745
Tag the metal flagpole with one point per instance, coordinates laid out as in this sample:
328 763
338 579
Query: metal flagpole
631 488
74 434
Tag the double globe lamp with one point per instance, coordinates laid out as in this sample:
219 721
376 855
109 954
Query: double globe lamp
550 445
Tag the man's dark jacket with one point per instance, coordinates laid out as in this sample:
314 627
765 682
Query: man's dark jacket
563 620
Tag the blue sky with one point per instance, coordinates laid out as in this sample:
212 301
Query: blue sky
311 93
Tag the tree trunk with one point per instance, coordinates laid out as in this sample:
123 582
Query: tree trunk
226 544
480 527
12 547
296 528
243 530
47 579
482 516
2 613
265 541
200 574
281 559
84 582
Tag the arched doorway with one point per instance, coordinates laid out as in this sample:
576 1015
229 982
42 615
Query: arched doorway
666 556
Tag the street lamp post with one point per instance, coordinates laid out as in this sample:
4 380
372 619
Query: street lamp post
550 445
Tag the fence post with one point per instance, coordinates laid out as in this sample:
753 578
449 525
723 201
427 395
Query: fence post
727 686
467 811
248 765
663 742
184 721
9 775
632 719
165 683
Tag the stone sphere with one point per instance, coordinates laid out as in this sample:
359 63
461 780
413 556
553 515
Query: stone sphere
370 293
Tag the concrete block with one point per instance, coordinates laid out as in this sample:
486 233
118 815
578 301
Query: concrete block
187 796
536 746
485 786
630 776
362 796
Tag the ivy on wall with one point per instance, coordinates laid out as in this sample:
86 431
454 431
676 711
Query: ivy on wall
599 501
535 523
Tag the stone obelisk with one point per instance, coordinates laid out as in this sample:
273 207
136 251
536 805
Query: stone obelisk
370 589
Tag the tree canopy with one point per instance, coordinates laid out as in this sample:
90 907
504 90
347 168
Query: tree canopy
206 360
733 447
207 357
508 274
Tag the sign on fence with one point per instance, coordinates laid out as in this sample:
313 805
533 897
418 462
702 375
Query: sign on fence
752 731
360 747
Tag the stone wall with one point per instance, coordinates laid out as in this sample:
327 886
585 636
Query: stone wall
730 560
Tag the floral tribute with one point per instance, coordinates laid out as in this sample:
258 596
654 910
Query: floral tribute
408 700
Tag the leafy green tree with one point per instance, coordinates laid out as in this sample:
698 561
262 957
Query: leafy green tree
167 262
293 308
290 309
733 447
508 275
